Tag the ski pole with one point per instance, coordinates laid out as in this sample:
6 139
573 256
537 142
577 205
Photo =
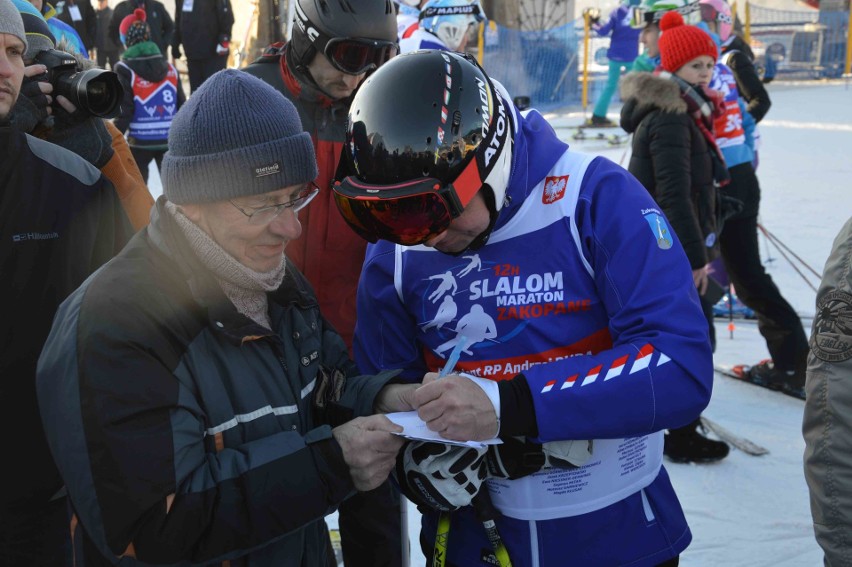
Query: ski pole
781 247
731 325
439 554
487 514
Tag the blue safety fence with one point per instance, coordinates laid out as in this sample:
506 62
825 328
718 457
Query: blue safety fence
547 65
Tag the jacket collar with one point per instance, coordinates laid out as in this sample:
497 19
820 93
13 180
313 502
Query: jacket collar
535 151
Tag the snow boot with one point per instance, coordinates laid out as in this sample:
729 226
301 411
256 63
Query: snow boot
766 374
687 445
601 121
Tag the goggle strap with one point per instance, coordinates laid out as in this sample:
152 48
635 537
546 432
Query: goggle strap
468 183
430 12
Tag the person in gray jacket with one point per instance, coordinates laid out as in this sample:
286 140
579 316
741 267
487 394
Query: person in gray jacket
827 423
199 407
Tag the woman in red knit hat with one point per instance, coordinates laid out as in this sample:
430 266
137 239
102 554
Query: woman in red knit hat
670 113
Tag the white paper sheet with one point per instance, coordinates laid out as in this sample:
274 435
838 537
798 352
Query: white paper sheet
416 429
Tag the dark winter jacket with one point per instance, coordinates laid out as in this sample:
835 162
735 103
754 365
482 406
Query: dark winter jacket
672 160
102 41
146 61
186 431
329 253
60 220
199 31
737 55
161 23
87 26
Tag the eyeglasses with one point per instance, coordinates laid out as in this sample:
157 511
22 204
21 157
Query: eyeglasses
358 55
407 213
265 215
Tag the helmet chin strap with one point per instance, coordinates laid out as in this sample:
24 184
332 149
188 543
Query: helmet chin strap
501 174
482 238
488 197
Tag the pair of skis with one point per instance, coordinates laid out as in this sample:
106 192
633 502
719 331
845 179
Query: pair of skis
737 372
583 133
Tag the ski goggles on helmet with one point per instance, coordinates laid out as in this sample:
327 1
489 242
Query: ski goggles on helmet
641 17
356 55
407 213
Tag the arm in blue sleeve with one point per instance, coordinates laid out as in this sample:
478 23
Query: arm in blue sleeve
658 373
386 338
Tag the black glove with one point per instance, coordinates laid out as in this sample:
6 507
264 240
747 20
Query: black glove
31 107
593 14
175 52
516 457
83 134
441 477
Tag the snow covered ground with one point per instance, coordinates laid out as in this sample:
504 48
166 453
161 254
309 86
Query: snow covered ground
745 510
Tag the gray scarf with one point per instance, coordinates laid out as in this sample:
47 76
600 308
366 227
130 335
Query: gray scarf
245 287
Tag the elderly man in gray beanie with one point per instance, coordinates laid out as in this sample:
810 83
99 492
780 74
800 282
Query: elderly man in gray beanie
197 403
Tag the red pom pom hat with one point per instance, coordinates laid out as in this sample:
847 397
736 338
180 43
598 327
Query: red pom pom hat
679 43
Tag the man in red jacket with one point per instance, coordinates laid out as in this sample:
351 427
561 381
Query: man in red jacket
329 54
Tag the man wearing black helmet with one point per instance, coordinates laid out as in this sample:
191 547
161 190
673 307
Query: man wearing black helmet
552 283
329 54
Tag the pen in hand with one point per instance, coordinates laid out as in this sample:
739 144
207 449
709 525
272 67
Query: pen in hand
454 357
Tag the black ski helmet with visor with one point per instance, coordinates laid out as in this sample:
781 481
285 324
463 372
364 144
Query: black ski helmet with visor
356 36
425 133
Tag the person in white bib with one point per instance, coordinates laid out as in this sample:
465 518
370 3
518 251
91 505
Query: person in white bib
577 330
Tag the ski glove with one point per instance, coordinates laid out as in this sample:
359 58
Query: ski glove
83 134
441 477
223 47
516 457
31 107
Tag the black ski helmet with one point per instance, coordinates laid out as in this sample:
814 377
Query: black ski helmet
429 114
427 125
364 19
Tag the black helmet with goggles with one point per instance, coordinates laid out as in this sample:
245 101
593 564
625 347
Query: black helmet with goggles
356 36
426 132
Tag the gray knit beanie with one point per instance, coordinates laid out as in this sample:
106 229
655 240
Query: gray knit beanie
235 136
11 22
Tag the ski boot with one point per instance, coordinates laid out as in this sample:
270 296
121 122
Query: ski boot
687 445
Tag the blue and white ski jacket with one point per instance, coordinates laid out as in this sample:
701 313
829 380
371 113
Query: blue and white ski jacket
583 290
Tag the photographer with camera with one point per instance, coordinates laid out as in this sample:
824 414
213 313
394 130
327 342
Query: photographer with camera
60 221
66 103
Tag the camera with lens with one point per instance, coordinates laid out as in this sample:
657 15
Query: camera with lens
94 91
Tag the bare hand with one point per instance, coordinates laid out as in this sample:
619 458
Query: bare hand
369 449
456 408
699 278
66 104
395 397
